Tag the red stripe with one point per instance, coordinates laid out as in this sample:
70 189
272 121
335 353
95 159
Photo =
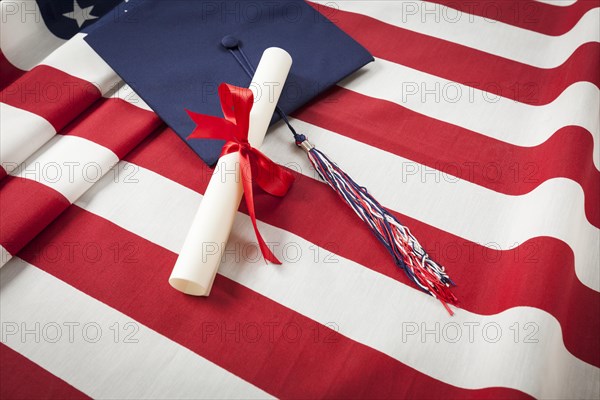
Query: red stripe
527 14
456 151
8 72
166 154
26 208
226 289
114 124
315 362
471 67
52 94
486 277
20 378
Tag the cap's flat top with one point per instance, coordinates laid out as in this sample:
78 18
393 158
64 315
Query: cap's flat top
171 53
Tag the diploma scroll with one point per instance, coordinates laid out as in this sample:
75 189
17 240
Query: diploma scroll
198 262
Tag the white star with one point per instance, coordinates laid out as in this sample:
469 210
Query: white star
80 15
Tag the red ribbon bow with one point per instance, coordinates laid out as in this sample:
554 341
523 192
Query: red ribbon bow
236 103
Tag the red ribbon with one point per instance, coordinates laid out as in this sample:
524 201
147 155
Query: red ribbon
236 103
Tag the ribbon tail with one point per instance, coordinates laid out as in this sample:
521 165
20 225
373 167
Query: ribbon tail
209 127
246 174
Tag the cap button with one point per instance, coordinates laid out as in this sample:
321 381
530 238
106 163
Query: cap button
230 42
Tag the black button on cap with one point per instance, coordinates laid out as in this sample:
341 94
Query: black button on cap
230 42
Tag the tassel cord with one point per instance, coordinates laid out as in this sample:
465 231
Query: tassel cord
407 252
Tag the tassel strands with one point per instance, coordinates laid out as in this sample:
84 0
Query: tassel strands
408 254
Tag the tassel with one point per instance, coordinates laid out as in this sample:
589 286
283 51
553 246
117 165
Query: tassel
397 238
408 254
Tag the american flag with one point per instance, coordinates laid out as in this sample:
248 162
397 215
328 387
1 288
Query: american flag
477 126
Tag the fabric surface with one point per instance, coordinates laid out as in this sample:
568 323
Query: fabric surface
477 126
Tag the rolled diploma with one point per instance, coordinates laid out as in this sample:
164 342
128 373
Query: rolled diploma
200 256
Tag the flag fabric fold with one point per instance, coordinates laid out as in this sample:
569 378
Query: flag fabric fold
499 184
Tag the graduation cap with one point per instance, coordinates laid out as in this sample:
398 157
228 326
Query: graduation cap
175 55
170 53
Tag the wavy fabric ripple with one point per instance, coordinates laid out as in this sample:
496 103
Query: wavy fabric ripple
500 184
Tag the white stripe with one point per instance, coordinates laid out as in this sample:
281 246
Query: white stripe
473 212
478 110
135 185
21 134
153 367
124 92
458 206
330 289
498 38
68 164
78 59
559 3
5 256
555 208
24 38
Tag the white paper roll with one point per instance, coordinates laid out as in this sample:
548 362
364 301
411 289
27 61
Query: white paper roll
200 256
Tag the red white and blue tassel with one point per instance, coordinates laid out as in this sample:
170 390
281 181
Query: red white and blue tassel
408 254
